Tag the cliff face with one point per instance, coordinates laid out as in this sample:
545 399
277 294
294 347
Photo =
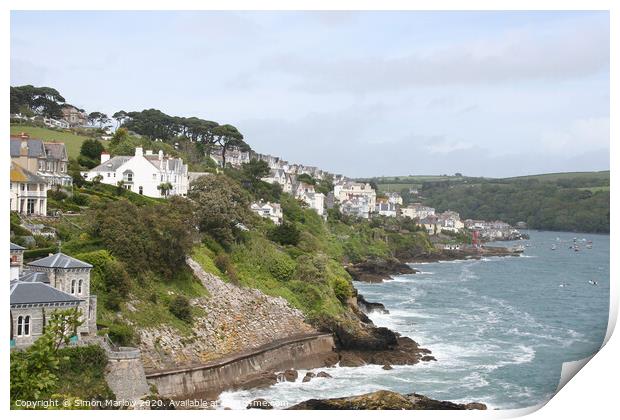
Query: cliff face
237 319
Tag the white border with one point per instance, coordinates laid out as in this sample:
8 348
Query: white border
592 395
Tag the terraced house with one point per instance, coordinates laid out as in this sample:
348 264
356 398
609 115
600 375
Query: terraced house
57 281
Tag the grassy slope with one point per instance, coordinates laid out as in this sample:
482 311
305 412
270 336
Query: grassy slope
73 142
563 175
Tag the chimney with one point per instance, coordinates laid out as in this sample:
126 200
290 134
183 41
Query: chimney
105 156
139 151
149 152
23 147
161 155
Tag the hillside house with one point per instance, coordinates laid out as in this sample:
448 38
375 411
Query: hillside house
143 173
74 116
57 281
17 260
48 160
417 211
386 208
28 194
271 211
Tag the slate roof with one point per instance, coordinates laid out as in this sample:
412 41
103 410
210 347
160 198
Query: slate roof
35 147
15 247
59 260
55 150
23 293
112 164
32 276
19 174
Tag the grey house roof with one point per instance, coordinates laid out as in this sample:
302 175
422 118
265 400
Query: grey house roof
55 150
112 164
32 276
24 293
35 147
59 260
15 247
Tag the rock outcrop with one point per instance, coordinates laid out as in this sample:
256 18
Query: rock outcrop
369 307
378 269
384 400
236 319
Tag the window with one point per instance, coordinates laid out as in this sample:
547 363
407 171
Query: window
80 286
72 287
108 174
128 176
20 326
30 206
140 190
154 177
27 325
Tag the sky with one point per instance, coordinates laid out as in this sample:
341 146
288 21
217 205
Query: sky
359 93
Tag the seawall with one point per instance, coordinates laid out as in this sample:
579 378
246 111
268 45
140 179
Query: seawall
209 380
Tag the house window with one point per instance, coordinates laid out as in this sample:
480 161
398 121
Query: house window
140 190
30 206
128 176
41 165
72 287
27 325
154 177
80 286
108 174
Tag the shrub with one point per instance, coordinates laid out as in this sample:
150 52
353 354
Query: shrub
285 234
121 334
342 289
179 307
225 265
281 267
311 268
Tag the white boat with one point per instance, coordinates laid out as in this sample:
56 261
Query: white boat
553 247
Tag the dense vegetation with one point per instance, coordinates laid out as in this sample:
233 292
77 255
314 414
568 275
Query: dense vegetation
565 202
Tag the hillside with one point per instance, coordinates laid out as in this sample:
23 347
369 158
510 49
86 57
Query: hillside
572 201
72 141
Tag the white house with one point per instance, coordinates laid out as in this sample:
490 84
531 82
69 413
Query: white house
307 194
272 211
143 173
417 211
450 221
385 207
356 192
28 192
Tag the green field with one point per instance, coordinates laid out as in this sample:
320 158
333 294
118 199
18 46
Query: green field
73 142
564 175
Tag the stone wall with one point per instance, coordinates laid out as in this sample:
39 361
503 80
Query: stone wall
236 319
125 375
209 380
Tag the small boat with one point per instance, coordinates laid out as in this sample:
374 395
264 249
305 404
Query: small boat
593 283
577 249
553 247
518 248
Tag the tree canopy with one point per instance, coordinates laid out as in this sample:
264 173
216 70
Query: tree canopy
44 101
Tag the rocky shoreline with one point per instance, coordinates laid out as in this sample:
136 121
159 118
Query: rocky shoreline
376 270
384 400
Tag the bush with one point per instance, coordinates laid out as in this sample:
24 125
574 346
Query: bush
281 267
179 307
311 268
284 234
342 289
225 265
121 334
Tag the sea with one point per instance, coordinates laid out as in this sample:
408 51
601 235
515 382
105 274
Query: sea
500 327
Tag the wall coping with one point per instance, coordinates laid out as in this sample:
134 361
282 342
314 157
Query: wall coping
235 357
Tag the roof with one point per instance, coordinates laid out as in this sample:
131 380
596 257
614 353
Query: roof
33 276
23 293
59 260
55 150
112 164
19 174
15 247
35 147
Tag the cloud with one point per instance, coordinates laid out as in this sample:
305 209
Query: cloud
516 56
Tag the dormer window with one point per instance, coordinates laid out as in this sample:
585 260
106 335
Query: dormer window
128 176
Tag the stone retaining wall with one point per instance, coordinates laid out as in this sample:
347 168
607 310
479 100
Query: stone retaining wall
209 380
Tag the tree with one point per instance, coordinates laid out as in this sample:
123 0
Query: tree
34 371
92 149
227 136
285 234
221 205
119 116
98 117
164 188
255 169
45 101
